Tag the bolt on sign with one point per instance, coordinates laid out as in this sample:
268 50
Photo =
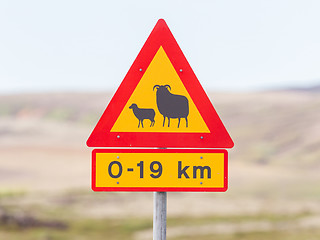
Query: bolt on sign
160 104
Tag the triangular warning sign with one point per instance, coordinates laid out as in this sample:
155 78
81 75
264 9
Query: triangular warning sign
160 103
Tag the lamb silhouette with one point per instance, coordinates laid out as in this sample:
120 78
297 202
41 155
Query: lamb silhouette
143 113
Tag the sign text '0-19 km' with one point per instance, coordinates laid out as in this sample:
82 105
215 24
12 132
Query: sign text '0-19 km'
159 169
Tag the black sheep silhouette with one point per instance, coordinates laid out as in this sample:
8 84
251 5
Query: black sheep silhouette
171 105
143 113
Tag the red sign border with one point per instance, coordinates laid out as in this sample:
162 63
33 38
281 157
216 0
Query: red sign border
218 136
158 189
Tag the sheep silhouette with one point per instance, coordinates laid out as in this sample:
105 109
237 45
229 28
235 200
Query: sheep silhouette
143 113
171 105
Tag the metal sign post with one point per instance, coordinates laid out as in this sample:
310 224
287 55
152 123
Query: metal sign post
159 215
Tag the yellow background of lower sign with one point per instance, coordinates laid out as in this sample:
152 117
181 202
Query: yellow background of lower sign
169 177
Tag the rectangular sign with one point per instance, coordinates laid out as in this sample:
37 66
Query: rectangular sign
161 170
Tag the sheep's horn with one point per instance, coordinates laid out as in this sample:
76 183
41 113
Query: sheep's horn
155 86
168 86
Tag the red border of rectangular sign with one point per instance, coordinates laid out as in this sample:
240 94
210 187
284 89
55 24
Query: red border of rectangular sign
158 189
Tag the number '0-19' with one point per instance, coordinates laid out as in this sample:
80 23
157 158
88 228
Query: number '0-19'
156 171
116 172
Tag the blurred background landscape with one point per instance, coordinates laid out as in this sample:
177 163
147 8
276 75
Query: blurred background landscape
61 62
274 169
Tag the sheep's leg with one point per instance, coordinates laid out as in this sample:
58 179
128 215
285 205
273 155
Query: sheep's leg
139 123
179 123
168 122
164 120
186 122
142 122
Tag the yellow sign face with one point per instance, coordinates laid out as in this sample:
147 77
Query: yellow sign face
172 170
144 113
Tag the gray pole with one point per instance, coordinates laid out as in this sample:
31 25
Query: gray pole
159 215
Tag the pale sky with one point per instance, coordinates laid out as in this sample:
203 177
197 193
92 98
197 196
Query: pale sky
231 45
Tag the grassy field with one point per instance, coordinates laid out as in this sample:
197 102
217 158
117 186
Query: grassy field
65 220
57 216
